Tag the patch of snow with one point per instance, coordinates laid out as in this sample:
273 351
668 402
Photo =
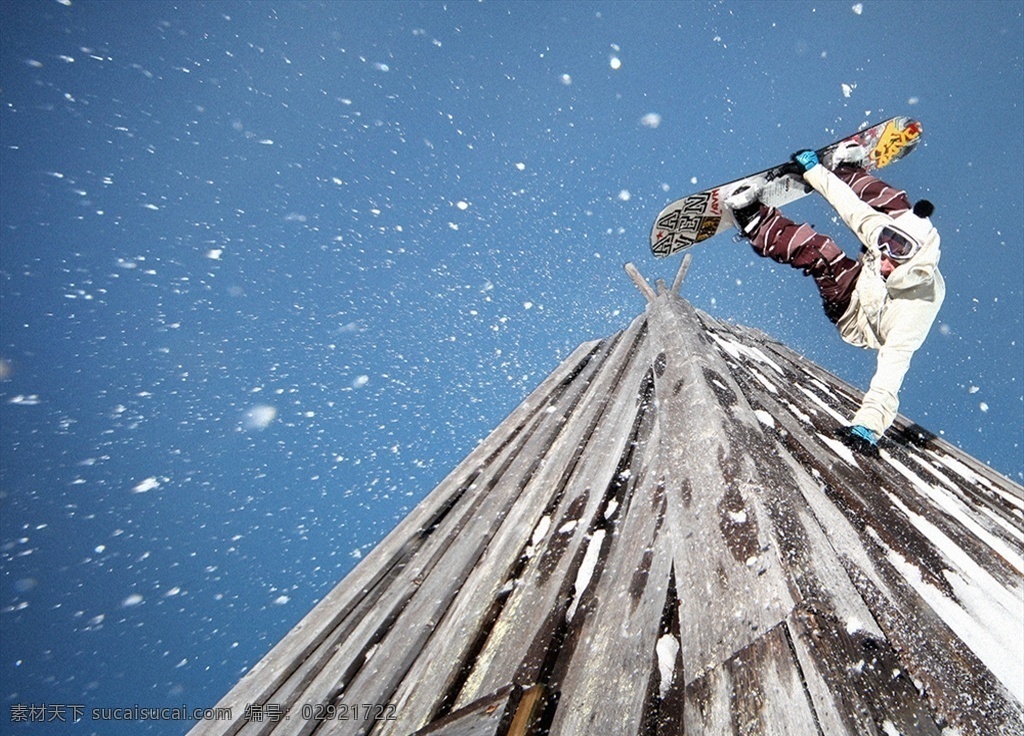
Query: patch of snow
613 506
737 350
762 380
764 417
971 477
956 509
820 402
823 387
839 449
796 411
540 530
667 649
586 571
988 615
1006 525
934 472
854 624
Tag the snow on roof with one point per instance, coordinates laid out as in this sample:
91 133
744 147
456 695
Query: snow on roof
949 518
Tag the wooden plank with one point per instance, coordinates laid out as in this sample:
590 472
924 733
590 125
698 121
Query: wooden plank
488 716
623 603
829 613
768 692
760 690
866 501
480 599
351 652
824 595
994 507
684 266
526 712
722 543
544 580
861 497
708 703
869 695
902 425
641 282
822 590
874 483
847 662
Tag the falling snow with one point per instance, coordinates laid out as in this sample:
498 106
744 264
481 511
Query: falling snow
269 274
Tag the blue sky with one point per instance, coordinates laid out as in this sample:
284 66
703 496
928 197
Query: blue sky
269 270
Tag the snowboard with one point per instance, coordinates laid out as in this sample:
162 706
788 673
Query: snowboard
696 218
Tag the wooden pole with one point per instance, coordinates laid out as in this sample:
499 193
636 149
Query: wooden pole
681 273
641 283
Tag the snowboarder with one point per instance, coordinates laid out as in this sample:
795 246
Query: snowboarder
887 299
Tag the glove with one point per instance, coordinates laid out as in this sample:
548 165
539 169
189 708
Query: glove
808 159
863 432
859 439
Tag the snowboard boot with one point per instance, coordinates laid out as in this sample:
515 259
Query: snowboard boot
848 153
746 209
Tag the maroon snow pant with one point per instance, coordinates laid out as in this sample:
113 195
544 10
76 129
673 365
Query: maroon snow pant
817 255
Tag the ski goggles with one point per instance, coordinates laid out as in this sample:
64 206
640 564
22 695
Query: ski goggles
897 245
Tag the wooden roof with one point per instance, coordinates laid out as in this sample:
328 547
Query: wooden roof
664 538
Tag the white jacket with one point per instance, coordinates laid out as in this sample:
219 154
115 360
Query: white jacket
894 315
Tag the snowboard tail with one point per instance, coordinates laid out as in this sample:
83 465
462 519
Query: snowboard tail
700 216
